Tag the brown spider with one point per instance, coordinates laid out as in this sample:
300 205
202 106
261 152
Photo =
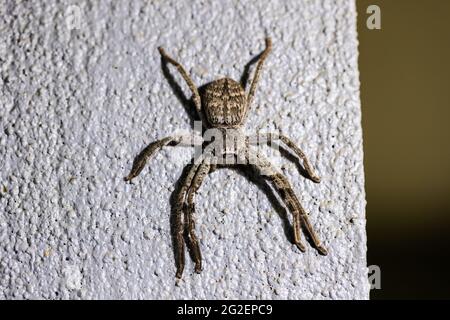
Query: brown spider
224 105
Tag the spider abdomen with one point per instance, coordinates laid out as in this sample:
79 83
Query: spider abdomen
225 103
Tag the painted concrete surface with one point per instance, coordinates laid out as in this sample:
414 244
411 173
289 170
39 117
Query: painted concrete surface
83 92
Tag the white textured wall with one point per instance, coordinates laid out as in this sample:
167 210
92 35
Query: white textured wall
76 106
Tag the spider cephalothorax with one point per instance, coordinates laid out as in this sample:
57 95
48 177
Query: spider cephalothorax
224 104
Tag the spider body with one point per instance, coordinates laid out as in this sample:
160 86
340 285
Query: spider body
222 106
225 103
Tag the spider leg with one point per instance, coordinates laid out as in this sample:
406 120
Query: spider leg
202 171
291 145
179 221
255 80
287 193
187 78
140 161
284 189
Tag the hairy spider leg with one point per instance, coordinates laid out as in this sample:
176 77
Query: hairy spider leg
202 171
270 136
255 80
188 79
149 151
287 194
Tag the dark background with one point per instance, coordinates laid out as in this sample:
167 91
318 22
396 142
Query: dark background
405 95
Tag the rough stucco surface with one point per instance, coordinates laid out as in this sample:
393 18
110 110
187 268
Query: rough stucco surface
78 104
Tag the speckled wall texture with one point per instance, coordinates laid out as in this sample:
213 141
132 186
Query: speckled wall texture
82 92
